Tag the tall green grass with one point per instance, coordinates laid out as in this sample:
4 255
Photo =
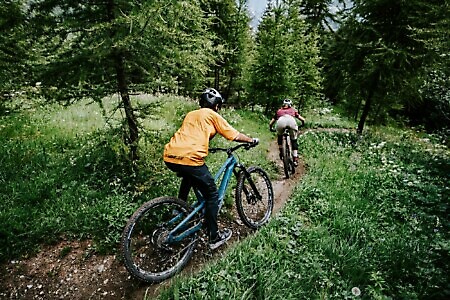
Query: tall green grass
369 220
370 216
65 171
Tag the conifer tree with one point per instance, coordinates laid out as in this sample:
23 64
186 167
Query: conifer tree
97 48
377 61
287 57
14 48
270 74
230 26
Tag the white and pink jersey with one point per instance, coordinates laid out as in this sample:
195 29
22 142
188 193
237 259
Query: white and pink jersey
286 111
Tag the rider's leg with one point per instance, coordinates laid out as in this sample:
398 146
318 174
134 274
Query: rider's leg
279 142
281 124
204 181
186 183
295 150
185 187
293 133
201 178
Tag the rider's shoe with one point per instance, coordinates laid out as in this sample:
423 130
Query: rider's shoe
296 161
222 237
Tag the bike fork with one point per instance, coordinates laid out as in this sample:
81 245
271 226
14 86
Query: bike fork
250 181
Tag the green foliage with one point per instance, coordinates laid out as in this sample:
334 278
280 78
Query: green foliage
270 71
14 44
304 70
68 176
232 43
320 14
156 44
377 61
371 213
434 111
287 58
370 220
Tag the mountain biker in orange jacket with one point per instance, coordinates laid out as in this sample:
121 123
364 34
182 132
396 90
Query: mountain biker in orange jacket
187 149
284 118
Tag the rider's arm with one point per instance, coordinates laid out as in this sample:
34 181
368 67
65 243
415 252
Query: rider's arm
243 138
297 115
225 129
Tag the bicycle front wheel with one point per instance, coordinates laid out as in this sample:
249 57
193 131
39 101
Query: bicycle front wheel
148 253
254 197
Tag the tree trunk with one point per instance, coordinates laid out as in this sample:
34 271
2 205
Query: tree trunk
355 116
228 90
216 78
368 103
133 137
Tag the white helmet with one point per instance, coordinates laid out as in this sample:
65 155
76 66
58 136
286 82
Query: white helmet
287 102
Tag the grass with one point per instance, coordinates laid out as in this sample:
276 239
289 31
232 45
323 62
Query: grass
369 220
66 174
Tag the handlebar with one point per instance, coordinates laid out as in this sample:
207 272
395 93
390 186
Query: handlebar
230 150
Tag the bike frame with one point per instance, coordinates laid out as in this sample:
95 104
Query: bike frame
225 172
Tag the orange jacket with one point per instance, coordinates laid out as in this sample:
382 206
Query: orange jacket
189 145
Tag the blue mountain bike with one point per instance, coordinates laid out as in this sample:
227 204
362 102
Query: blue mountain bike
159 238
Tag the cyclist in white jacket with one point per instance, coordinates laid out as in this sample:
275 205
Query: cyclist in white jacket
285 118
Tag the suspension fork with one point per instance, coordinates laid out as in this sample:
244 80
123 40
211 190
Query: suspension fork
250 181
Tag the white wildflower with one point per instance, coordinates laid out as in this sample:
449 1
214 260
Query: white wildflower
356 291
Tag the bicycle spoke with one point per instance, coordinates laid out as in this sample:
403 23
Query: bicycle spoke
254 211
148 253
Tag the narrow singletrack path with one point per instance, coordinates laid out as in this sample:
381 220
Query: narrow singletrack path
71 269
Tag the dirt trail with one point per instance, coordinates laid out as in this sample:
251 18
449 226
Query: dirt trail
71 269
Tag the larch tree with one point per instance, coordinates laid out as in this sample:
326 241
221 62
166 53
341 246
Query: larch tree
378 59
287 57
230 27
15 48
270 72
98 48
304 56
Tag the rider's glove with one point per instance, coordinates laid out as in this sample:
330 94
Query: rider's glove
255 141
271 128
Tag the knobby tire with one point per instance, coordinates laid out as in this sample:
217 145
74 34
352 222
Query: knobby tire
286 154
252 211
146 255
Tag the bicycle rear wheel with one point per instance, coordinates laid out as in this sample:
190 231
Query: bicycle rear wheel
286 155
147 254
254 211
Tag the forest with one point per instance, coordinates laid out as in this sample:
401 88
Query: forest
90 91
381 61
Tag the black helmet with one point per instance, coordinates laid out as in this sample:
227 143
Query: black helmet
210 98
